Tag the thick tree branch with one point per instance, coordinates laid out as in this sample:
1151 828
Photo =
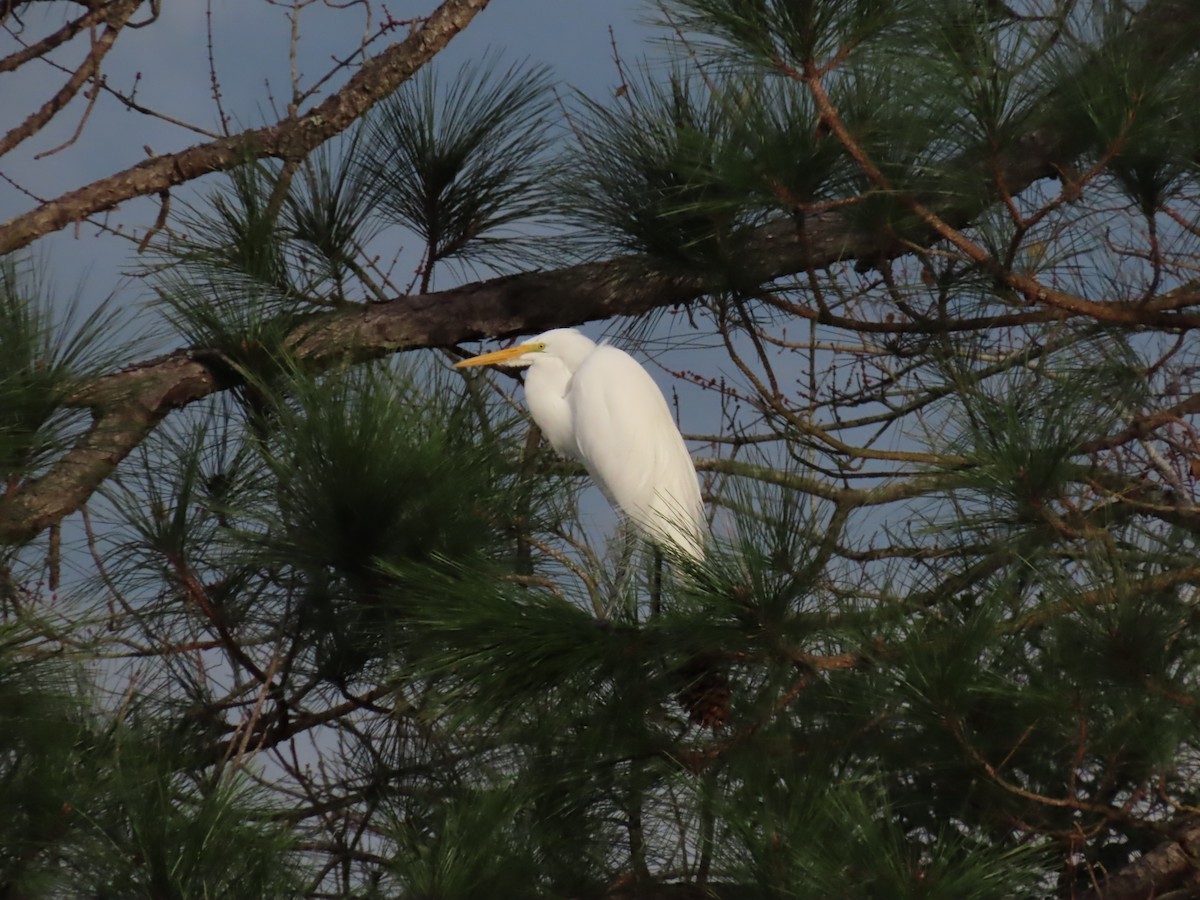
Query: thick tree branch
129 404
1170 866
289 139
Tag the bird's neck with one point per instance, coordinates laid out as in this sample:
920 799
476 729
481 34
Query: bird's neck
546 384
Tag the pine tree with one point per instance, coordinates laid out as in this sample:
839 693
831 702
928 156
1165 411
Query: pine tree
299 610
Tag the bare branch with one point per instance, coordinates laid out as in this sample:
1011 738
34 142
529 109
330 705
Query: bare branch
287 139
118 15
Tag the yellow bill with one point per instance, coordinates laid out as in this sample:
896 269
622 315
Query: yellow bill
497 357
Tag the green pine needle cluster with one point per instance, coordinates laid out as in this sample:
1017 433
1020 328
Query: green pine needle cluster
463 164
48 352
104 804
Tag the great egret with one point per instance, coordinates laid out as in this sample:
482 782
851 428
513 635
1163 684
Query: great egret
595 403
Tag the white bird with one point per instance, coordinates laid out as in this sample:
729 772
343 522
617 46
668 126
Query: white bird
595 403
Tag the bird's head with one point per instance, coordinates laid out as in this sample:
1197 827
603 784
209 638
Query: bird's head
565 345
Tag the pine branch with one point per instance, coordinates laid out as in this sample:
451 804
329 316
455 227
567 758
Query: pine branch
288 139
129 404
1169 867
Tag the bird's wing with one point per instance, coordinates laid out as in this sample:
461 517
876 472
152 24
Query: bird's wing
630 445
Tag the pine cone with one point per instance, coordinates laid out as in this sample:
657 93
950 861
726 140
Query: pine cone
705 694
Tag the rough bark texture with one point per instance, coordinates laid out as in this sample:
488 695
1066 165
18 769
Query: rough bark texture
1169 870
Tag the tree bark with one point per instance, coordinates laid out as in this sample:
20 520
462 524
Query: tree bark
1169 870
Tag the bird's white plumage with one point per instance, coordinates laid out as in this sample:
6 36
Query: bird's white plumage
629 443
597 404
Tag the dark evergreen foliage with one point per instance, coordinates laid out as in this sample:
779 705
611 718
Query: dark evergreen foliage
352 633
